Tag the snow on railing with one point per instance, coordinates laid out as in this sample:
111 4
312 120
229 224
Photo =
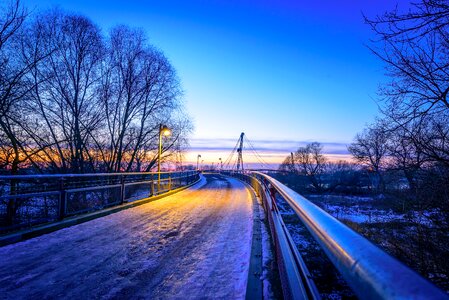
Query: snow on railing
27 200
369 271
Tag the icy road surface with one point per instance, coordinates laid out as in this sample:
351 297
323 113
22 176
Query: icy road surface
193 244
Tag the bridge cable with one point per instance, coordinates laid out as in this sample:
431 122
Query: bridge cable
229 158
257 155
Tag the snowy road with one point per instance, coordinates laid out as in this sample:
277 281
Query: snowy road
193 244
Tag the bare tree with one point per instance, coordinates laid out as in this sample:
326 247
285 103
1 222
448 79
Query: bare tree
435 139
370 148
312 163
288 165
72 101
63 98
12 88
139 91
11 21
415 46
75 101
405 153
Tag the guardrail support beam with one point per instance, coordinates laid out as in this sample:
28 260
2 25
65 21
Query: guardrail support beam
122 189
62 199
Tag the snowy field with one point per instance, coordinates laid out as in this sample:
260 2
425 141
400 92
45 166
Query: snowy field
370 210
193 244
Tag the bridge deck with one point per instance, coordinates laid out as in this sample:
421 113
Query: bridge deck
195 243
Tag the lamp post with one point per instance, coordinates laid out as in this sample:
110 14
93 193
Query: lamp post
198 162
165 131
221 164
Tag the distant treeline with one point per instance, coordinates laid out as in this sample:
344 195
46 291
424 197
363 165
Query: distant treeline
73 99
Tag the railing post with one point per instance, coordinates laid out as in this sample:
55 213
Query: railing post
11 207
62 199
169 182
122 189
152 186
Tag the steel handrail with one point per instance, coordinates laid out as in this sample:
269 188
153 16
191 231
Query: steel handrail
296 280
39 176
89 188
64 185
298 276
371 272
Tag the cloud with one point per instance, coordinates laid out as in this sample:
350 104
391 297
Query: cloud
266 147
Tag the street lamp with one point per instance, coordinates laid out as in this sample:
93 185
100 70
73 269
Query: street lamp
221 164
163 131
198 162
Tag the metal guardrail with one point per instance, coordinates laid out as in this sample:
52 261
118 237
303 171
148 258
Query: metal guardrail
296 280
369 271
27 200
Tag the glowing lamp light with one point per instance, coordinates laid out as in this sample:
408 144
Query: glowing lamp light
165 131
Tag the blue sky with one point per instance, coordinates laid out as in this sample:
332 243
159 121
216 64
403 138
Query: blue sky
277 70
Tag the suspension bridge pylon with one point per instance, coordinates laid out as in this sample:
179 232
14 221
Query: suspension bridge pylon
236 163
240 153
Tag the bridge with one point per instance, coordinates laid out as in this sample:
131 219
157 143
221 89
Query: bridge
187 235
169 247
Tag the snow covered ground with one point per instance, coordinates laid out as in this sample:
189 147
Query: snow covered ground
193 244
356 209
